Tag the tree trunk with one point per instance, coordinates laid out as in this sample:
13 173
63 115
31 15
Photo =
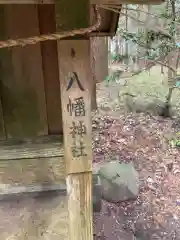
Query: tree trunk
127 43
172 61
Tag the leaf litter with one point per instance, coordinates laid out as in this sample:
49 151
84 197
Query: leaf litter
140 139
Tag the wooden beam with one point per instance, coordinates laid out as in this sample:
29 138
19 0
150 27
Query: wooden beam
40 161
27 1
16 190
75 82
92 1
75 76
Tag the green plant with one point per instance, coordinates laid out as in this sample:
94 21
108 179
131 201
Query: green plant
175 141
110 78
118 57
113 77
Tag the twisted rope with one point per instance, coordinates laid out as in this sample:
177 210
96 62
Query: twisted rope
54 36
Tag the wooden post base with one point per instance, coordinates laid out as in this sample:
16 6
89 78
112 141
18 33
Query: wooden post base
80 205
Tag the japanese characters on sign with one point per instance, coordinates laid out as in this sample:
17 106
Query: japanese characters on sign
76 109
73 78
78 130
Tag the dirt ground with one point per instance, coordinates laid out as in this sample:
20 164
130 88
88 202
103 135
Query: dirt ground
43 217
144 140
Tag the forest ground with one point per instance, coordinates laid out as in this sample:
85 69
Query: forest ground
147 141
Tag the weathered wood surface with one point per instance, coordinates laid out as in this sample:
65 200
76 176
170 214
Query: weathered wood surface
80 206
47 24
99 57
109 22
72 15
10 192
36 162
80 64
27 1
75 80
92 1
22 86
5 68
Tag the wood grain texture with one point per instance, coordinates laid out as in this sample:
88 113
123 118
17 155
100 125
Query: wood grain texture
27 1
37 162
23 96
92 1
32 171
81 65
5 67
47 24
8 192
74 56
80 206
99 58
72 15
34 164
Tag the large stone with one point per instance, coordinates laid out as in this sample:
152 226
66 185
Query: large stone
119 182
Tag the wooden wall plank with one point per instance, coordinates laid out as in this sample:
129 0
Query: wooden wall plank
27 1
72 15
50 170
40 161
5 68
23 95
47 24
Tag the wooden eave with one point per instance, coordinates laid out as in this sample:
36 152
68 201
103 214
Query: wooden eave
116 2
27 1
110 19
109 24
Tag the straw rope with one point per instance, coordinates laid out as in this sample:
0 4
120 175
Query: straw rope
54 36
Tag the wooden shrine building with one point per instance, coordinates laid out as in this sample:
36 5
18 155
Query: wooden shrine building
45 98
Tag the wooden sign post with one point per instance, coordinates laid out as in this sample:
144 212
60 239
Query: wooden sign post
74 67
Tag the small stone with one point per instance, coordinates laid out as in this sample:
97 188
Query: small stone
119 181
150 180
169 166
178 202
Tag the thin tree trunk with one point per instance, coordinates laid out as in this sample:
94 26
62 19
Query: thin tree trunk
171 74
126 44
170 58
